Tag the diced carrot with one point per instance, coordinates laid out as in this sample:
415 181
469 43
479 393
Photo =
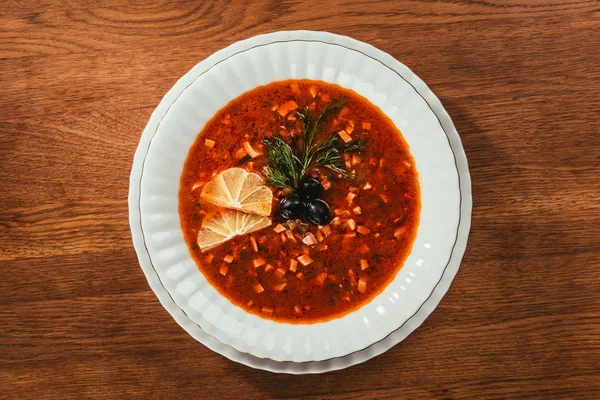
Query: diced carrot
364 264
351 122
279 273
279 287
279 228
338 211
239 153
363 230
249 304
209 258
367 186
357 210
320 279
326 229
377 235
351 224
363 248
407 164
300 275
349 235
350 197
349 128
346 298
258 262
254 244
269 268
267 310
320 236
325 97
209 143
309 239
287 107
228 258
355 159
384 197
223 269
251 151
305 260
322 247
336 221
297 310
313 91
295 88
366 125
345 137
381 163
283 238
258 287
352 278
250 165
305 250
353 189
399 232
293 265
348 164
362 285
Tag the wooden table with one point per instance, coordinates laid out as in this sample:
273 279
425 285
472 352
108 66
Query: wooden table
78 82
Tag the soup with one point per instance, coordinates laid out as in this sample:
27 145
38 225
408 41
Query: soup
299 201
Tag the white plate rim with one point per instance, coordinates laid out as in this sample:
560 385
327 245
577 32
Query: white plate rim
463 227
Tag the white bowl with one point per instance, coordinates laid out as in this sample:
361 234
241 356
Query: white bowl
172 129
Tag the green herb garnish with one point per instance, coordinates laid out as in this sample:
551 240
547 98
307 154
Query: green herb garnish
289 162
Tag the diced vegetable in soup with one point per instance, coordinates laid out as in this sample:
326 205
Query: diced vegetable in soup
299 201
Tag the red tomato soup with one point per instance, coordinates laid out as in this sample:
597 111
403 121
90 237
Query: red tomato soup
310 264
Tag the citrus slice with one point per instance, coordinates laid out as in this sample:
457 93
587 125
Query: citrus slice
228 224
239 189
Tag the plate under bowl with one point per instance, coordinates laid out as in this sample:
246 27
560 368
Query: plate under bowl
173 127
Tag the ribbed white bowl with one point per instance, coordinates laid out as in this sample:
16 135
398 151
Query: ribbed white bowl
434 143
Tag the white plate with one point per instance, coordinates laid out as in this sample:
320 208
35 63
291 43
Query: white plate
445 191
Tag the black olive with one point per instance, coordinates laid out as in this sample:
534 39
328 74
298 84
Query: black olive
292 207
311 188
318 212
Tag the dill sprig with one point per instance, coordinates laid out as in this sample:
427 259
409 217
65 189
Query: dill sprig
288 163
283 167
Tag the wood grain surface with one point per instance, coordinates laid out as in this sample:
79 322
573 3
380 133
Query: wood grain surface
78 82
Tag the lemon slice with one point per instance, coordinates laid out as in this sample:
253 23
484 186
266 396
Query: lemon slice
228 224
239 189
